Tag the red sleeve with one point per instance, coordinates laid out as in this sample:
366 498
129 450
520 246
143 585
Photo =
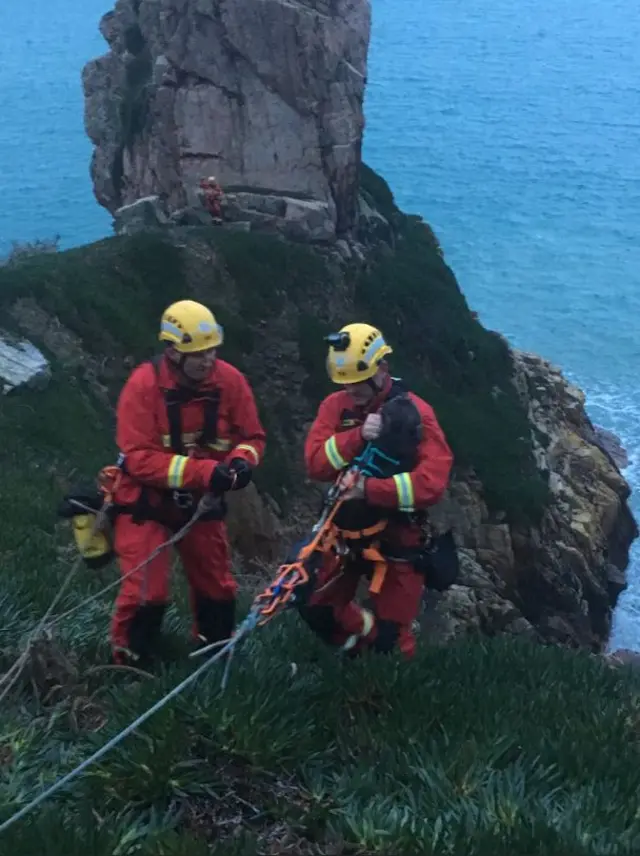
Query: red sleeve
325 451
426 483
247 421
137 438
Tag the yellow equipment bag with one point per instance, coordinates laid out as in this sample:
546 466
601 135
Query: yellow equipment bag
93 538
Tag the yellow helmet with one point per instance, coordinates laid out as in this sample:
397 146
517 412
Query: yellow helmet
355 353
190 327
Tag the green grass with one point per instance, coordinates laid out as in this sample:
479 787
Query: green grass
269 272
482 748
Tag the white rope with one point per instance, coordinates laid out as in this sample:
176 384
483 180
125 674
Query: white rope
201 509
12 674
247 625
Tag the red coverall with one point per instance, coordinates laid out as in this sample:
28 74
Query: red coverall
143 437
212 197
335 438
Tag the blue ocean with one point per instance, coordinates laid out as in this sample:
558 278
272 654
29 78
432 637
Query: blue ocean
512 130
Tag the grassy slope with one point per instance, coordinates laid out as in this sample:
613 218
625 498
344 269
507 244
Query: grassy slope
490 748
487 747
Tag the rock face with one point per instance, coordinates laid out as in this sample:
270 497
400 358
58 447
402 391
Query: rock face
139 216
264 94
556 582
21 364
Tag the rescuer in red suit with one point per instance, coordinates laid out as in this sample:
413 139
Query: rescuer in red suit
187 424
348 420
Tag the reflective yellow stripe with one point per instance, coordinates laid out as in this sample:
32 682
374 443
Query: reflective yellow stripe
175 476
221 445
404 487
252 449
192 440
333 455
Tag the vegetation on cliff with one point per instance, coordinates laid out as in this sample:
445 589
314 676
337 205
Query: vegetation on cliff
486 747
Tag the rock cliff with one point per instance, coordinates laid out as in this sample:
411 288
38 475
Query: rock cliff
557 580
265 94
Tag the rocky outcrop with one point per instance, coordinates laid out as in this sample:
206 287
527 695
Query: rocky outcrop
21 364
557 581
303 220
143 214
264 94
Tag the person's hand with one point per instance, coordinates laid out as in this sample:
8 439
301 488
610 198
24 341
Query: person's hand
372 427
243 472
222 479
356 491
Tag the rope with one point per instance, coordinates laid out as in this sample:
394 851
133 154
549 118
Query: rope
247 625
14 672
203 506
255 617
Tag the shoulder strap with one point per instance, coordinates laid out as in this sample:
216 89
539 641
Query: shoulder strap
172 403
155 361
211 407
398 388
174 398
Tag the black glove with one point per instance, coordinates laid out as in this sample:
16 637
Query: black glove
221 480
243 472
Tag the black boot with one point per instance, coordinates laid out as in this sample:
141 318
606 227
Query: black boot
215 619
144 635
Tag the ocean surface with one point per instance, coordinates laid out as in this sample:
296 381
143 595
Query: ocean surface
513 130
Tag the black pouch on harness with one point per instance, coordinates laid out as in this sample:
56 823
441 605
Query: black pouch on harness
81 506
174 508
439 562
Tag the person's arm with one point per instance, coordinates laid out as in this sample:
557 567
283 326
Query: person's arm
245 417
326 452
427 482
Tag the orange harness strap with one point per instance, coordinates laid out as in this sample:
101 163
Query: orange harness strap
357 534
371 553
276 595
292 575
380 566
109 479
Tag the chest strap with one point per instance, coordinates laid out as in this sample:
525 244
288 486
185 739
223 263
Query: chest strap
175 398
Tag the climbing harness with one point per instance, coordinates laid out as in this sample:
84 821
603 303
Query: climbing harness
296 575
202 508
